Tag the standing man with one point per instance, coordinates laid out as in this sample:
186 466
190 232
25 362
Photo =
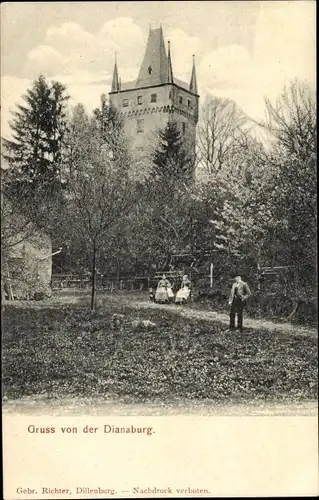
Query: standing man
237 301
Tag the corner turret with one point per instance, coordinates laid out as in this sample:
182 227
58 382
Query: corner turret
193 82
116 86
170 78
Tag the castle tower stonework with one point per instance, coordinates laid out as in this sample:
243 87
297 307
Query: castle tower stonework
156 97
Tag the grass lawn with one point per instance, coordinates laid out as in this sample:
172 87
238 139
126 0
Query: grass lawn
55 349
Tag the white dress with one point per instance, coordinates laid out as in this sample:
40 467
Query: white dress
182 294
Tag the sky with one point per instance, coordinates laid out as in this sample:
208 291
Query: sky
244 50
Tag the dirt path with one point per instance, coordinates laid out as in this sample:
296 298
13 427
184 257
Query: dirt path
140 302
261 324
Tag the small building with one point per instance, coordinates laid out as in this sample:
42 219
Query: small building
26 257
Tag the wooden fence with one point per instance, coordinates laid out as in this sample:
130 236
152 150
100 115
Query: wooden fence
78 282
81 282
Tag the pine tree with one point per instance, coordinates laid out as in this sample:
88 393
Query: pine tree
38 128
108 118
171 161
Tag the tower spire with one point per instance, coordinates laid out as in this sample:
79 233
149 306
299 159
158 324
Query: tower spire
115 80
153 70
170 78
193 82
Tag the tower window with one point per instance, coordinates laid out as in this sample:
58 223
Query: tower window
153 98
140 126
188 103
150 70
139 99
125 103
180 99
183 127
170 94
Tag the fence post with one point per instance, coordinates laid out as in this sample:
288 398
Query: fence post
211 274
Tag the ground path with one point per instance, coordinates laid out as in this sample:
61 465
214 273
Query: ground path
192 313
139 301
35 405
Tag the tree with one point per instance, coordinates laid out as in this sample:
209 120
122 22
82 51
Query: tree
292 122
18 219
21 227
220 130
108 119
33 181
38 127
171 163
159 220
292 119
98 185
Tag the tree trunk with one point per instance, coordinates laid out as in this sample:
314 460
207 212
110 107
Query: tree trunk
93 291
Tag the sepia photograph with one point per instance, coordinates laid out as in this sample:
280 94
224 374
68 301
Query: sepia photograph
158 218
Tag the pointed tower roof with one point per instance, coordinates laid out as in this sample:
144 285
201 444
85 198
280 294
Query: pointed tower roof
154 68
115 80
193 82
170 78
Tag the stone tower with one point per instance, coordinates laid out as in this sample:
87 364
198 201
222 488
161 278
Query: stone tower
155 97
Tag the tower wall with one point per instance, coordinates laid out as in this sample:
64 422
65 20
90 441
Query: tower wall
144 118
155 98
153 114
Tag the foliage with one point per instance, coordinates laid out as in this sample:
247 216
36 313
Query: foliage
292 121
23 225
109 120
31 190
38 127
171 162
97 182
255 207
159 221
266 213
220 132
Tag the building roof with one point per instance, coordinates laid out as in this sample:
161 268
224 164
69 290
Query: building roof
128 85
156 68
180 83
132 85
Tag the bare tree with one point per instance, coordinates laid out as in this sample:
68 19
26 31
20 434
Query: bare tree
220 131
292 118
